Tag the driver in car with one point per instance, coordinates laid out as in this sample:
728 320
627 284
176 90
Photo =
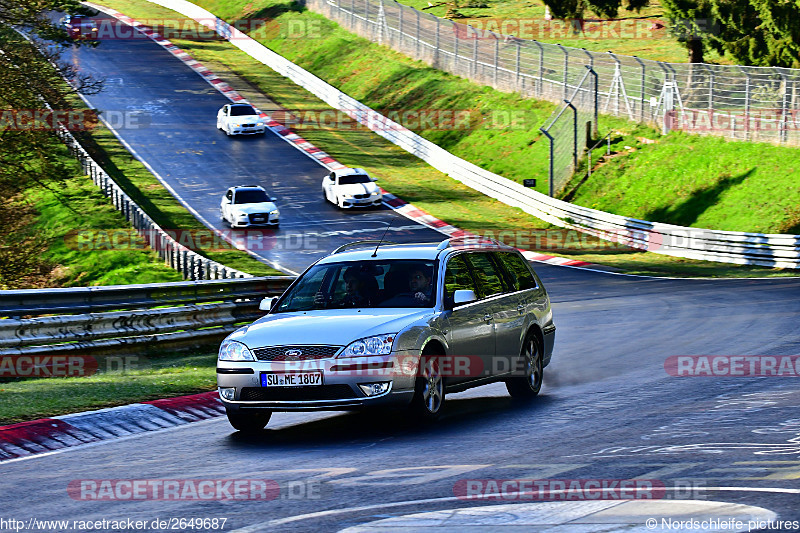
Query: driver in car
420 285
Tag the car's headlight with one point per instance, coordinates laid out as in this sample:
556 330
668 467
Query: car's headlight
241 215
377 345
376 193
348 195
234 351
275 212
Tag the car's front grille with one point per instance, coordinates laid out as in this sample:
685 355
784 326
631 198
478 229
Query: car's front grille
361 196
295 353
259 217
248 125
322 392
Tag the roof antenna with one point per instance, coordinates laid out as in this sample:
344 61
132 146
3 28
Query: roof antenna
375 253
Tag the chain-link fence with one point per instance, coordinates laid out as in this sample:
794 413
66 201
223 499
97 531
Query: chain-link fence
747 103
570 130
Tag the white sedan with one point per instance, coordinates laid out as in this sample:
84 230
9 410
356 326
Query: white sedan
351 187
249 205
240 119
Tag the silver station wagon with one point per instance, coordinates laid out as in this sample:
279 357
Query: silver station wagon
381 324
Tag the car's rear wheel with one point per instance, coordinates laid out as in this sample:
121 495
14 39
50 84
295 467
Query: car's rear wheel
528 385
429 389
249 421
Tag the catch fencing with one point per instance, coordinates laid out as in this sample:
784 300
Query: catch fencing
745 103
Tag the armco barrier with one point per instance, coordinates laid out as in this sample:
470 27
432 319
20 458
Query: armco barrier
116 316
771 250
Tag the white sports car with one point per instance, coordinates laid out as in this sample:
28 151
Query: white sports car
249 205
240 119
351 187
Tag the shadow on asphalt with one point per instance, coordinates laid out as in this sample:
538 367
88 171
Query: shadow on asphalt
360 427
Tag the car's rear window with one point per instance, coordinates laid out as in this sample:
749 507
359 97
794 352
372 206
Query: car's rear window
350 180
252 196
242 110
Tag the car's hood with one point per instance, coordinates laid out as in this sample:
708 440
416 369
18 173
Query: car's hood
337 327
357 188
262 207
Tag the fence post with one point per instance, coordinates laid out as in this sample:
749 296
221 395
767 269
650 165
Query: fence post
455 45
595 104
475 55
496 59
785 83
436 50
352 14
746 103
541 67
574 134
566 68
552 140
641 89
517 72
416 38
400 25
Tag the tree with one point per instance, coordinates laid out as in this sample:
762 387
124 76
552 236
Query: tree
31 75
692 23
576 9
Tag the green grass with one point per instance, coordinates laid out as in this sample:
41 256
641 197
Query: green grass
384 79
150 379
704 182
79 205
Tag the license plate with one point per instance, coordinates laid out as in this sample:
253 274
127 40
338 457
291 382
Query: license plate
291 379
258 219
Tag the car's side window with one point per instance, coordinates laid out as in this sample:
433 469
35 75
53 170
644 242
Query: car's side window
229 196
519 273
457 277
489 282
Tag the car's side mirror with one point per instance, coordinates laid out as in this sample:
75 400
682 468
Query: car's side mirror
267 303
464 296
373 178
273 199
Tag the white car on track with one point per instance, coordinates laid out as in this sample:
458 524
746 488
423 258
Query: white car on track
249 205
240 119
351 187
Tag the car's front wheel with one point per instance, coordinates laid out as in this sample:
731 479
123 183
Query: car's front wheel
529 383
249 421
429 390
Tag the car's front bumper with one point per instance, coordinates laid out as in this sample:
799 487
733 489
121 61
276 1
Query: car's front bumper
256 130
273 221
340 383
361 202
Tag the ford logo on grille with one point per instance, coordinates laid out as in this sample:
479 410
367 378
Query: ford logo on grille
294 354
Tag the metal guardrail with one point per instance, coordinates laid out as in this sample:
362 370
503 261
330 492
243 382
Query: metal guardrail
142 314
771 250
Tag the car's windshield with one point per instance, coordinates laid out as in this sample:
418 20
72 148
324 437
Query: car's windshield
242 110
250 196
350 180
365 284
